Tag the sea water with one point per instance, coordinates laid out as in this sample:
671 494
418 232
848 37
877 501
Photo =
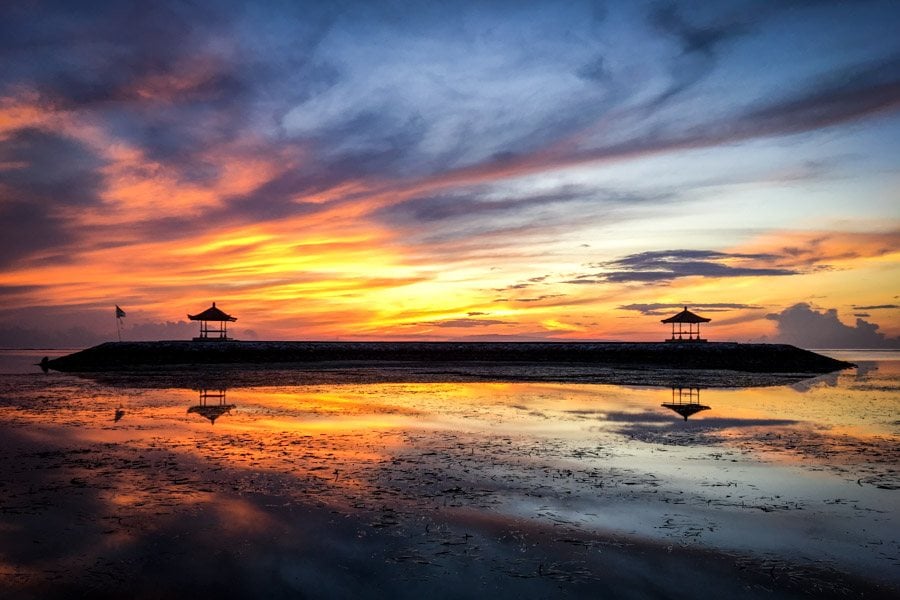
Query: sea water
803 474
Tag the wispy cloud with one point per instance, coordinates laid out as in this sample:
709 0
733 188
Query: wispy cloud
659 309
466 323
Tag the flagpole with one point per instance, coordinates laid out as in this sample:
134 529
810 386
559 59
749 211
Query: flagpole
119 314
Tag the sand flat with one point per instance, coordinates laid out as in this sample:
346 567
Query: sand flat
453 489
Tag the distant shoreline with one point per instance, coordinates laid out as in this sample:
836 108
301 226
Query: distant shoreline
755 358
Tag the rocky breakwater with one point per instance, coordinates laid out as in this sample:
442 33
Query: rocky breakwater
756 358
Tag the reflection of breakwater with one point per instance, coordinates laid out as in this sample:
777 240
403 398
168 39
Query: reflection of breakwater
685 401
212 404
249 376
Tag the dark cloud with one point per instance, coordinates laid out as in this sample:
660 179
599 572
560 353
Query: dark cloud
15 290
514 286
856 92
82 336
370 141
596 70
15 336
585 280
699 47
803 326
167 330
476 212
659 309
81 54
539 298
476 204
700 39
49 169
466 323
174 79
275 199
46 178
666 265
877 307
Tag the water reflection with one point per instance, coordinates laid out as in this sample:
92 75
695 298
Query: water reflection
827 380
381 470
685 401
214 410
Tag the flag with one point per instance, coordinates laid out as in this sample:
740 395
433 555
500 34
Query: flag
119 312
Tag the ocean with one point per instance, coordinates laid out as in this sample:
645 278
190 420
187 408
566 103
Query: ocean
357 487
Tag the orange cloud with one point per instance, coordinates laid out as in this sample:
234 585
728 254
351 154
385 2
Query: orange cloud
828 248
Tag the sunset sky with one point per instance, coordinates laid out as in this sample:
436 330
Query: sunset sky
450 170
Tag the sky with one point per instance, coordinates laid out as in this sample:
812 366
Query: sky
450 170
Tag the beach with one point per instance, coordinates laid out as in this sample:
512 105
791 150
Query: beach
322 484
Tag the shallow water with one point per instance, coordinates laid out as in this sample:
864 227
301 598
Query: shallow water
799 479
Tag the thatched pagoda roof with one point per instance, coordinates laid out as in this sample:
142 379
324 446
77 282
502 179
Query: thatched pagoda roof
211 412
686 316
212 314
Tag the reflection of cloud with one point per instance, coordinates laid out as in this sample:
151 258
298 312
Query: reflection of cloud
803 326
806 385
864 368
641 417
650 425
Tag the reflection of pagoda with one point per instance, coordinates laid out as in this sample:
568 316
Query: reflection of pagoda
685 401
216 409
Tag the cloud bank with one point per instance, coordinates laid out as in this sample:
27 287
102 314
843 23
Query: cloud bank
666 265
801 325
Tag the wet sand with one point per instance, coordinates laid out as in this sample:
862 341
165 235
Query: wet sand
446 490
